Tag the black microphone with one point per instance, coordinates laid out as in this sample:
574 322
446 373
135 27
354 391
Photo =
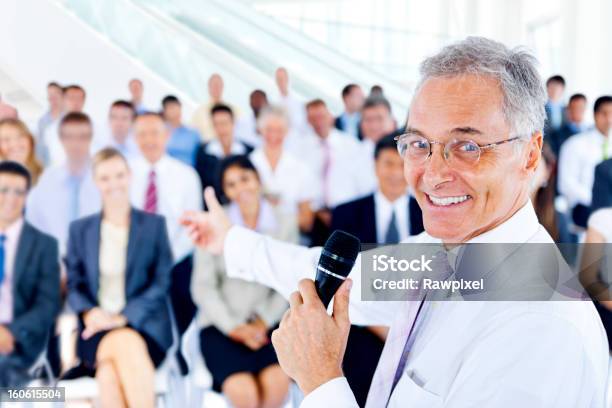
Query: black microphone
336 261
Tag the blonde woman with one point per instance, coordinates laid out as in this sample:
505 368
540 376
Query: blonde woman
17 144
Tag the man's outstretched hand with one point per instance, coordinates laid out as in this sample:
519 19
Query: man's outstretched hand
309 343
208 229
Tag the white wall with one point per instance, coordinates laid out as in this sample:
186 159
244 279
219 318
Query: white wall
41 42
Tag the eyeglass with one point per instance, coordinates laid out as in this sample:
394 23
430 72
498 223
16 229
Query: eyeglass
15 191
457 152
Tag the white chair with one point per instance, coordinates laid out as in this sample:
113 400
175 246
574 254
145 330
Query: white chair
169 387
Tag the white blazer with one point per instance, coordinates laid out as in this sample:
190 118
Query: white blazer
466 354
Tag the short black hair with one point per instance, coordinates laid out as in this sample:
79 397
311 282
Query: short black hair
348 89
16 169
120 103
54 84
170 99
576 97
75 117
221 107
373 102
600 102
555 78
387 142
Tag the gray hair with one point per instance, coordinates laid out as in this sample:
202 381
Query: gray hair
274 111
515 69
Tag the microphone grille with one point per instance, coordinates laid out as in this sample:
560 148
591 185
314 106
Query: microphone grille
343 244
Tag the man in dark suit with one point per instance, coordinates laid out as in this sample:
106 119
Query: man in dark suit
350 120
602 186
387 216
29 280
573 123
389 213
210 154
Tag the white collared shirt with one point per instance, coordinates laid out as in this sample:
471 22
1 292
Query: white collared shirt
11 245
50 201
579 156
467 354
291 180
178 190
384 211
347 177
214 148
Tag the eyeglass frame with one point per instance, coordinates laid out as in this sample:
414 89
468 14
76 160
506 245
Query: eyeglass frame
446 156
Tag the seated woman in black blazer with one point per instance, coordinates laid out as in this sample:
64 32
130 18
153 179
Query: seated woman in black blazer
118 264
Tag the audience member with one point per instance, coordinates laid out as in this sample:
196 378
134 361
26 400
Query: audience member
136 88
388 216
29 281
166 186
332 159
578 158
201 117
17 144
293 106
555 110
236 317
56 108
73 100
574 123
376 91
120 120
246 126
602 186
596 266
210 154
66 192
348 121
183 140
286 180
118 264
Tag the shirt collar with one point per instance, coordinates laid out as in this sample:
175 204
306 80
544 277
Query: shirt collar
381 200
14 230
214 148
266 219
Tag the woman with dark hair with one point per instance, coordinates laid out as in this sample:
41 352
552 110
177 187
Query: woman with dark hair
236 317
118 264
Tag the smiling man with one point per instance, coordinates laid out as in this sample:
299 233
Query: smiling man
472 145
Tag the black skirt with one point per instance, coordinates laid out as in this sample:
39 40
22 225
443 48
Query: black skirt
225 357
87 349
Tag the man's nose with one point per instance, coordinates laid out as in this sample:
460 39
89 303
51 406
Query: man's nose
437 170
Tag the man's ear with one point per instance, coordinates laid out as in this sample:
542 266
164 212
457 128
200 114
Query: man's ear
535 152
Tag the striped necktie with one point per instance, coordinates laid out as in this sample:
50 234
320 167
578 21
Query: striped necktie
150 205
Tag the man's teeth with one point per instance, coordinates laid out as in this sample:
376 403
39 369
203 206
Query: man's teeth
448 200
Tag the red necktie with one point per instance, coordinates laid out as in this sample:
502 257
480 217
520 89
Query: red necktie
150 205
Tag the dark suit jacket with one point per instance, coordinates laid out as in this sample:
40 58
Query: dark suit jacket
602 186
358 217
556 138
147 276
36 293
208 168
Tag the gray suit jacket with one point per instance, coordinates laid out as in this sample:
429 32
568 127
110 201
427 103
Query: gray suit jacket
147 275
36 293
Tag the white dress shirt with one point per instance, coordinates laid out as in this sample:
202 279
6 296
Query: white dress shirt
579 156
297 113
11 245
50 202
291 180
384 211
601 221
347 177
466 354
178 190
214 148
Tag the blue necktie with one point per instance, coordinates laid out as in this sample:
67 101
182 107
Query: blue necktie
2 239
392 236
